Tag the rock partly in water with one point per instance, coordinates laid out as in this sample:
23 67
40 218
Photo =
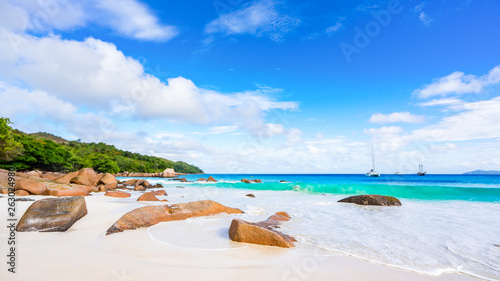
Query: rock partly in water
261 233
251 181
168 173
117 194
373 199
151 215
211 179
31 186
201 179
53 214
148 196
130 182
139 188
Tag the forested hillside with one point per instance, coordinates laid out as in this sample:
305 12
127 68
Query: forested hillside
40 152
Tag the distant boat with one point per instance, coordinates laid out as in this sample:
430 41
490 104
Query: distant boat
372 172
398 173
421 169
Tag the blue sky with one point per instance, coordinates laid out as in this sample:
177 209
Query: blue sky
262 86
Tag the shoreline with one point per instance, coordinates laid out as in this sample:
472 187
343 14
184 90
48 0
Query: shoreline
85 253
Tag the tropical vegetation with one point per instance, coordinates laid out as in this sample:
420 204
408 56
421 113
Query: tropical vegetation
46 152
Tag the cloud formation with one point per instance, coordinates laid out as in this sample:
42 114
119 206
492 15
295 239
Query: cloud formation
259 18
459 83
95 75
403 117
128 18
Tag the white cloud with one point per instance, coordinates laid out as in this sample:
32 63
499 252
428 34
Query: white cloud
38 108
437 102
338 25
257 18
94 74
476 121
223 129
404 117
424 18
459 83
134 19
129 18
422 15
384 130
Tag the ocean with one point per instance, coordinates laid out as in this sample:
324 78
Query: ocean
448 223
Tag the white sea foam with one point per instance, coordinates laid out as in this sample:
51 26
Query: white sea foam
423 236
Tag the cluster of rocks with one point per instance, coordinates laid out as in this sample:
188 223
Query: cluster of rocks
210 179
251 181
59 214
79 183
168 173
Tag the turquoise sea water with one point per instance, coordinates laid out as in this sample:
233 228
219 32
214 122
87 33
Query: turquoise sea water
448 223
484 188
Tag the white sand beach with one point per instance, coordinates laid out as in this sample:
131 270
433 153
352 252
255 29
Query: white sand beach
196 249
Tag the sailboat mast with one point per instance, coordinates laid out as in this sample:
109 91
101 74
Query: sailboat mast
373 159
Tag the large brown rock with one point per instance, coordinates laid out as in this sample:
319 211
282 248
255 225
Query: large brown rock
245 181
68 192
201 179
261 233
110 186
66 178
168 173
81 180
160 192
31 186
53 214
21 192
148 196
107 179
151 215
90 175
118 194
49 176
130 182
375 200
211 179
139 188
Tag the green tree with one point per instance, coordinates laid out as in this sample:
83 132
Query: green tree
103 164
9 147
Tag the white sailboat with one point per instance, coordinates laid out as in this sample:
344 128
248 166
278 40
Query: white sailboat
421 169
372 172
